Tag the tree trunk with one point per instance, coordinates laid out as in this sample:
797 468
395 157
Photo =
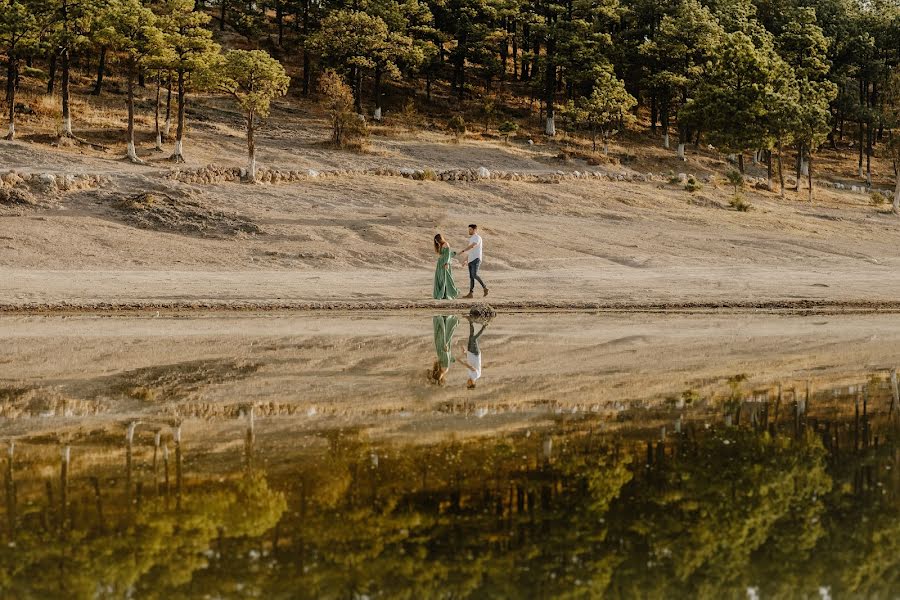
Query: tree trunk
654 113
178 155
780 170
504 49
665 126
769 169
377 114
799 163
741 162
224 8
132 152
156 127
11 69
861 147
896 188
51 71
307 73
279 19
869 153
515 49
251 149
168 123
809 171
101 69
550 91
459 72
66 114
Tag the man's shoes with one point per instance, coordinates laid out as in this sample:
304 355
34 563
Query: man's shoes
469 295
485 292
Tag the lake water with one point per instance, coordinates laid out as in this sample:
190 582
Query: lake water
350 456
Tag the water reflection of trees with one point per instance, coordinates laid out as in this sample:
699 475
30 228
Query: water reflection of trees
94 537
788 499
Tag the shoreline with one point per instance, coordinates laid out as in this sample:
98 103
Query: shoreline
789 307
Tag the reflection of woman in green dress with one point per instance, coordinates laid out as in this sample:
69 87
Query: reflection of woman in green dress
444 287
444 327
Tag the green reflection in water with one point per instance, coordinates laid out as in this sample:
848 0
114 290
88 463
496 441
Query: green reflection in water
784 502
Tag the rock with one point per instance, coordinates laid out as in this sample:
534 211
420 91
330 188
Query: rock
46 182
312 173
483 173
407 172
482 312
531 142
65 181
11 179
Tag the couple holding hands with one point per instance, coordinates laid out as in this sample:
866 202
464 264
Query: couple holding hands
444 286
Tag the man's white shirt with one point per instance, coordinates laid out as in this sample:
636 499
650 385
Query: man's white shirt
476 251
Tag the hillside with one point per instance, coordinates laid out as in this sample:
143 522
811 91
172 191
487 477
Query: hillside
359 232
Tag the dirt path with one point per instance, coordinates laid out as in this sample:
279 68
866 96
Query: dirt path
358 242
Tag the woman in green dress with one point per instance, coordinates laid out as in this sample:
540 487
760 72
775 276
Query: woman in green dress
444 287
444 328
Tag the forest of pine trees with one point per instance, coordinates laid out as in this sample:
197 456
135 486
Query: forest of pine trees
755 77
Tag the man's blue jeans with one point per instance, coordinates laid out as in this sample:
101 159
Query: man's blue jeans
473 275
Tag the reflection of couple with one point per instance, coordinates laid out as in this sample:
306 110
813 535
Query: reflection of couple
444 286
444 328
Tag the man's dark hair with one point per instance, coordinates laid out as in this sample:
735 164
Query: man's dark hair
473 226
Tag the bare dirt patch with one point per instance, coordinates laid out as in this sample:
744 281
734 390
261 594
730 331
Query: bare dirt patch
162 212
175 382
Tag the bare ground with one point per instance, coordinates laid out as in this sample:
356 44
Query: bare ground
63 373
364 241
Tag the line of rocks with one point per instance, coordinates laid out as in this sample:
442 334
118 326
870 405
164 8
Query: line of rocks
216 174
50 182
212 174
20 190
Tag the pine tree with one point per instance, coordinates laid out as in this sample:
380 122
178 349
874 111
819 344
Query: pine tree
72 24
804 47
606 109
19 34
735 101
131 29
360 43
194 56
678 57
254 79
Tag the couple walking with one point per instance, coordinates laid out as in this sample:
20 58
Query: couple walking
444 286
444 328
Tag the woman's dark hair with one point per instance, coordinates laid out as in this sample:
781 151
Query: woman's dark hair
438 242
436 374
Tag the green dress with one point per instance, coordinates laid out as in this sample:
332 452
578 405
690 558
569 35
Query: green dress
444 287
444 328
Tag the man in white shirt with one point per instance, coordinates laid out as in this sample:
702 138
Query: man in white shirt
474 254
473 355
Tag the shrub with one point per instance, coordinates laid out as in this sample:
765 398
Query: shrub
488 110
338 99
692 185
736 179
457 126
878 198
673 179
409 115
738 203
507 129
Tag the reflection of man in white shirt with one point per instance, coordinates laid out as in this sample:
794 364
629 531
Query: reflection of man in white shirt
473 355
475 253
